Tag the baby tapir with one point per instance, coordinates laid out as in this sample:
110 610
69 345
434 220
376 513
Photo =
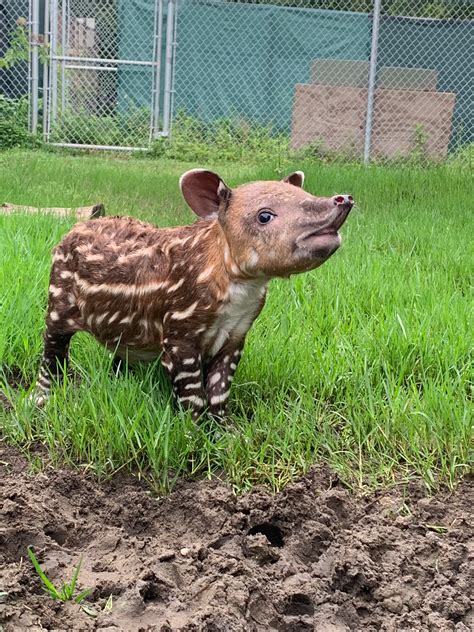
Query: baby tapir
187 294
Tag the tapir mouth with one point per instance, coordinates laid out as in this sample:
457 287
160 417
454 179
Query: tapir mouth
331 226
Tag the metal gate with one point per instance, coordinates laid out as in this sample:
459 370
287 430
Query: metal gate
106 83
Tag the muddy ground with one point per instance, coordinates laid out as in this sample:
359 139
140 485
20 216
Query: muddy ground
314 557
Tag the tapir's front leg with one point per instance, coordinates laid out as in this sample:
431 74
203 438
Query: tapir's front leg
219 375
183 365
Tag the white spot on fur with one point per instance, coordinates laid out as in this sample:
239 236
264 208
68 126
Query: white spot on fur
233 365
54 315
206 274
114 317
185 374
215 377
55 291
119 289
194 399
218 399
189 361
142 252
193 385
59 256
185 313
179 241
84 248
100 318
96 257
177 285
126 320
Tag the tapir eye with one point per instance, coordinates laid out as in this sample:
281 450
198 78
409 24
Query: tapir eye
265 216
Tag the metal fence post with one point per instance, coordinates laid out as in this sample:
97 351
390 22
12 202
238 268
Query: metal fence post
34 36
168 68
173 72
372 79
156 80
53 94
46 72
63 52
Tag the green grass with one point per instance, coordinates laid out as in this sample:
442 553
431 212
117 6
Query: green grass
365 364
67 590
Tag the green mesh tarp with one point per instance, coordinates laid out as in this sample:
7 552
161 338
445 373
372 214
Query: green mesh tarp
244 60
135 42
446 46
236 59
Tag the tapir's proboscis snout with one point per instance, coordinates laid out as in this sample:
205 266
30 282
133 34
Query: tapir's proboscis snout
188 294
322 238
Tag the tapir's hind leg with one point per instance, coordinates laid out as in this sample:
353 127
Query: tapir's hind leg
53 363
62 322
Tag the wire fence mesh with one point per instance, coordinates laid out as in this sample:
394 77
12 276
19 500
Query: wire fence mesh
101 81
14 70
384 78
301 69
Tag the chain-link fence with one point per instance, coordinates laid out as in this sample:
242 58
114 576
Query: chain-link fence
356 78
15 70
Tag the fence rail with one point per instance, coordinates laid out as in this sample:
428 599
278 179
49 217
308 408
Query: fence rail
361 78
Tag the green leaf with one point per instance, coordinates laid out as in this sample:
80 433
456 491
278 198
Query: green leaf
50 587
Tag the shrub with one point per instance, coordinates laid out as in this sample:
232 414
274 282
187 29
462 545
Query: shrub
222 140
14 124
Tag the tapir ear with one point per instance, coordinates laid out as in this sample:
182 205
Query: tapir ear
203 191
296 179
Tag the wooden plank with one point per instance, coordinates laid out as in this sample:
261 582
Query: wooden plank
355 73
330 115
402 118
335 117
81 213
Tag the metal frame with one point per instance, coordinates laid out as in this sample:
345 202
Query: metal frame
372 79
55 77
162 63
47 34
170 35
34 64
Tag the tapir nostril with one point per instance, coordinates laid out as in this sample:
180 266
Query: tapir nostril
339 200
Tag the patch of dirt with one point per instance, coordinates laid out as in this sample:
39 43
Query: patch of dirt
313 557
